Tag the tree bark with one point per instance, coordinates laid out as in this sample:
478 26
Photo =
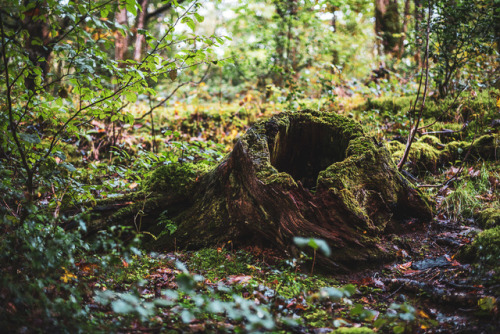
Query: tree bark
387 25
306 174
405 29
418 14
121 41
141 24
39 52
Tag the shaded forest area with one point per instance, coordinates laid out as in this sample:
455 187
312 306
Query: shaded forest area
275 166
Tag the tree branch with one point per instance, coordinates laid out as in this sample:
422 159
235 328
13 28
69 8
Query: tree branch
413 131
161 10
13 128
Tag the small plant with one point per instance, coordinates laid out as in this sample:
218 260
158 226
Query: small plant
315 244
464 201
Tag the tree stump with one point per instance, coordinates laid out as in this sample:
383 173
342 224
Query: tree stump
308 174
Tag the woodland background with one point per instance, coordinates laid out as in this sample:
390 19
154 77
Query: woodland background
98 95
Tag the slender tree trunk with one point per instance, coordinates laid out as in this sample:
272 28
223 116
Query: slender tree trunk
496 15
39 52
380 10
141 24
416 122
418 21
405 29
285 50
121 42
335 54
387 26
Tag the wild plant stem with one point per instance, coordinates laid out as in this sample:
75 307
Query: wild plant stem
314 261
414 128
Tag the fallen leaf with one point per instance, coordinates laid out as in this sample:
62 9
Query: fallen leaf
405 266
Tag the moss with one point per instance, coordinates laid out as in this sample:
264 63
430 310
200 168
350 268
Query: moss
360 145
361 179
284 179
431 140
487 245
486 147
489 218
317 319
455 150
484 105
125 216
422 156
425 154
485 248
353 330
352 204
175 178
395 146
391 105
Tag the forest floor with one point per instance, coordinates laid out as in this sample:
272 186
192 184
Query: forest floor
425 290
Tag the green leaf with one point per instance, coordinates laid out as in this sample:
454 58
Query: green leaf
104 12
331 293
130 5
69 166
119 306
189 21
199 18
131 97
30 138
379 322
407 316
398 329
187 317
313 243
185 282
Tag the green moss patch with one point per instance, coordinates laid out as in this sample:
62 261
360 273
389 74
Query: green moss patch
485 248
489 218
176 179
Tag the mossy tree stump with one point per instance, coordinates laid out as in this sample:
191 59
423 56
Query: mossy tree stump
306 174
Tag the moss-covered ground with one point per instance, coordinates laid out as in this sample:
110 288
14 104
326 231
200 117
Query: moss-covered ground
445 277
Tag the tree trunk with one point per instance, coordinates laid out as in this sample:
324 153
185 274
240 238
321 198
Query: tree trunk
405 29
387 26
121 41
141 24
418 20
38 44
308 174
496 15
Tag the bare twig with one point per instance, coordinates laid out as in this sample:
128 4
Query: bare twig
165 99
414 128
12 123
